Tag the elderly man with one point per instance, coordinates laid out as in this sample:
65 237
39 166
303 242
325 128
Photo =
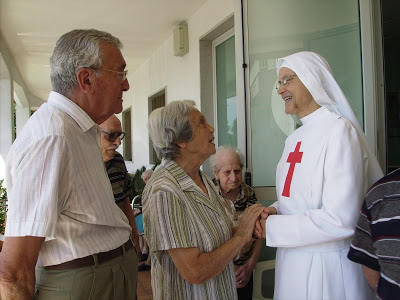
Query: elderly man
227 165
111 136
376 241
62 216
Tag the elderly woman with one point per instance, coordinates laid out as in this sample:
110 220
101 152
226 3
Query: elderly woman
227 164
321 180
189 233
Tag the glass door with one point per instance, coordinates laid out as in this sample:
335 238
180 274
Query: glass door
225 105
277 28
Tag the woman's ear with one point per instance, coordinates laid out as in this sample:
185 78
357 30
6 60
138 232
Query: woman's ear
182 145
215 173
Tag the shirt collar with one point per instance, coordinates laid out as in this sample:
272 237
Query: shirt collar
71 109
186 183
315 115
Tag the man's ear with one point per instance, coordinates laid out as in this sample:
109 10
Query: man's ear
85 79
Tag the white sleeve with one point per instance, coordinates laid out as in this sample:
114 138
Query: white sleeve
38 177
342 193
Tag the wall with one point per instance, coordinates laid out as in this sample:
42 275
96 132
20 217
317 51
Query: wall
180 76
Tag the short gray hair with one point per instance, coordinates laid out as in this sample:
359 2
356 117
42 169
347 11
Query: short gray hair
147 172
214 160
77 49
169 126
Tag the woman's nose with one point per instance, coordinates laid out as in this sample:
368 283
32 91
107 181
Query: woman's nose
281 89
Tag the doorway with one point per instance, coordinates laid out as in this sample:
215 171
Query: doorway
391 44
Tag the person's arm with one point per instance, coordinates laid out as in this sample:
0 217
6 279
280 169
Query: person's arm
244 271
362 249
128 211
197 267
371 276
17 267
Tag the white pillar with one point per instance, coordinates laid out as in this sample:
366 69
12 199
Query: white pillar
6 121
22 107
22 116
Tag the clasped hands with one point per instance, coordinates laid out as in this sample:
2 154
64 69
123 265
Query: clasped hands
253 220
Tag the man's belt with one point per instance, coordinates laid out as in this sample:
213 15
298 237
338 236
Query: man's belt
90 259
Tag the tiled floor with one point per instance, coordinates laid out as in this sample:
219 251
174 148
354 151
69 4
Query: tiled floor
144 286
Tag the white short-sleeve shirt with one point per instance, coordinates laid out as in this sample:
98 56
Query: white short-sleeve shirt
58 187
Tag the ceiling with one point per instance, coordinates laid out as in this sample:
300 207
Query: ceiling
30 29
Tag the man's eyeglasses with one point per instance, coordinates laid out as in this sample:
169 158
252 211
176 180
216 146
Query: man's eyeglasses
112 136
123 74
285 81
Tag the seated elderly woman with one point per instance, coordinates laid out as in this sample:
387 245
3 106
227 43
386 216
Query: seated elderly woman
227 165
189 233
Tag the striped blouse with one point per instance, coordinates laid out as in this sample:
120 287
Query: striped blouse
177 214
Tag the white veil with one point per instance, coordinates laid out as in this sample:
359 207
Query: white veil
315 73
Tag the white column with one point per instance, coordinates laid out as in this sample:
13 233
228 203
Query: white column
6 122
23 114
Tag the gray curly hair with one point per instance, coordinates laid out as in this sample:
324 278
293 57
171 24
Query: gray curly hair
147 172
169 126
77 49
214 160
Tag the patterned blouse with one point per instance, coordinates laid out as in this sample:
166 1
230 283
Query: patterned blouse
244 199
177 214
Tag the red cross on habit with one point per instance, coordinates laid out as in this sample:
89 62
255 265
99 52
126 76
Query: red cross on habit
293 159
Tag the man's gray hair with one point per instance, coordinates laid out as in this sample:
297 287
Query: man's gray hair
77 49
215 162
169 126
147 172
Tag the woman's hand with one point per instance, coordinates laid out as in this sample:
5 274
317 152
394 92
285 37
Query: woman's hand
243 274
259 228
247 221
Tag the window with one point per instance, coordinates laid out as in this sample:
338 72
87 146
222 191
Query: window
225 89
126 127
155 101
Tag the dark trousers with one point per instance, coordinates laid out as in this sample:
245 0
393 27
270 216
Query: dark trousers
246 293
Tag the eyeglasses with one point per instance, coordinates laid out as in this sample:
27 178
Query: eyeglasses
123 74
285 81
112 136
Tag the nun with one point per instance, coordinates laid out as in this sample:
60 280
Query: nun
324 172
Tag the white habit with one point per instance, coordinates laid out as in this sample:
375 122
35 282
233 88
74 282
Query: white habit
318 210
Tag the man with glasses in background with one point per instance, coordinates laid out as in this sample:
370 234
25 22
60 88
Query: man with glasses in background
62 215
111 136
